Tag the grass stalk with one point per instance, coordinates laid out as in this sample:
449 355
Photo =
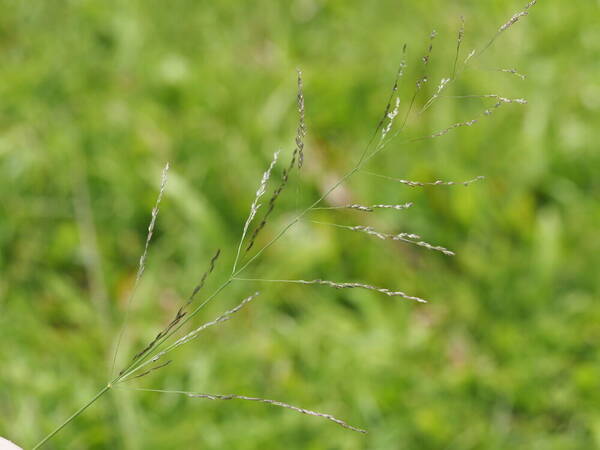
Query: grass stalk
73 416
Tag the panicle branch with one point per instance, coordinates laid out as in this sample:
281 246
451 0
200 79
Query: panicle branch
509 23
297 153
515 18
404 237
338 285
255 205
163 185
412 183
280 404
255 399
142 262
301 131
514 72
459 39
367 208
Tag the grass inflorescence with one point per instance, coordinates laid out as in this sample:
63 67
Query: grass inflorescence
150 357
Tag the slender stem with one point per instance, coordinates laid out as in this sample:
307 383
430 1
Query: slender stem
73 416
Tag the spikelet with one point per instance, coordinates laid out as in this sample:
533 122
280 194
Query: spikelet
142 261
280 404
163 185
459 39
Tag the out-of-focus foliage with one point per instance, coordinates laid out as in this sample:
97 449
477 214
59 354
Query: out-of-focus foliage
95 96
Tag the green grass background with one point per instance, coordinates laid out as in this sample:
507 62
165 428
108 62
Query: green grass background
96 96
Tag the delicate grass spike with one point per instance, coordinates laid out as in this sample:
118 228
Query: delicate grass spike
389 114
338 285
280 404
443 83
404 237
255 205
301 131
430 183
200 285
142 262
181 312
387 120
515 18
297 153
459 39
397 207
272 201
163 185
426 58
367 208
469 56
487 112
505 26
500 99
260 400
468 123
514 72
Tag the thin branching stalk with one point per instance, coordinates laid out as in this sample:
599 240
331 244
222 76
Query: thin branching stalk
413 183
409 238
364 208
513 72
255 399
343 285
142 263
158 349
255 206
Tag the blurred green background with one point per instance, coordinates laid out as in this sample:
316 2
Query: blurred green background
96 96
